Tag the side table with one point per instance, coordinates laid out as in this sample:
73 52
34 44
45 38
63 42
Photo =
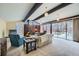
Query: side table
30 45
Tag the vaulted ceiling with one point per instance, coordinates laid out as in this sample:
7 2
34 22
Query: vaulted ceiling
42 9
31 11
14 11
67 11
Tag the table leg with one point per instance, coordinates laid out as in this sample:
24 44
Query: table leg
27 47
31 46
35 45
24 45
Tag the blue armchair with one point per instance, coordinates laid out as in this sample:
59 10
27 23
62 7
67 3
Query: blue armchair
16 41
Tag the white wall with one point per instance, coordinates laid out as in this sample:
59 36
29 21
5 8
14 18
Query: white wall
2 28
12 25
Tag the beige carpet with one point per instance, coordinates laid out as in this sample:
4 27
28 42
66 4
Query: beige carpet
58 47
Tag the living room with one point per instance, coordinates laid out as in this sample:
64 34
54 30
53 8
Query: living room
29 29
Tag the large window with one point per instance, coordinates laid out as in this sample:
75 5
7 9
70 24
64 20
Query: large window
48 28
44 27
59 30
70 30
63 30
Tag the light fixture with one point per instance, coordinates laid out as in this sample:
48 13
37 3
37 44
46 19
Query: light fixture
58 19
46 13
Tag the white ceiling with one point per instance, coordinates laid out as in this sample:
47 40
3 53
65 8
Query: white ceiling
17 11
67 11
42 9
14 11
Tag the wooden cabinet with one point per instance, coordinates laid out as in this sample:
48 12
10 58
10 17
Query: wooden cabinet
3 46
31 28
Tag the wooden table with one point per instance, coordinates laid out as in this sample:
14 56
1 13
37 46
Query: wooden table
30 45
37 38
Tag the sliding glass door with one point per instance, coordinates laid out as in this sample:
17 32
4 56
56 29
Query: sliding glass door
60 30
63 30
70 30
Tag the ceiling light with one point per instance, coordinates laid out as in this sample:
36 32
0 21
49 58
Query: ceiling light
58 19
46 13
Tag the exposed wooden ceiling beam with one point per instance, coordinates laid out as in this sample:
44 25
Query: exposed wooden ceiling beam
63 19
33 9
53 10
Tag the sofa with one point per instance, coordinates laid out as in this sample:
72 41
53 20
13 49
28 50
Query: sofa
44 40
